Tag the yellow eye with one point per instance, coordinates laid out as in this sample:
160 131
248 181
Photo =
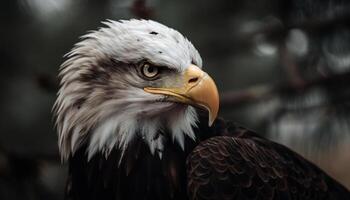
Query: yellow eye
149 71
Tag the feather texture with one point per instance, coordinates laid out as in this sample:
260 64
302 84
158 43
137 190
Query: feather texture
101 100
226 162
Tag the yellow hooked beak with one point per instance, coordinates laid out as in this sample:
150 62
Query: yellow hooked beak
198 89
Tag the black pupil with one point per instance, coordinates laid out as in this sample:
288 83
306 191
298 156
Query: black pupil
150 69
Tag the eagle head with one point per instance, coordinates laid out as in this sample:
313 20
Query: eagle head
132 78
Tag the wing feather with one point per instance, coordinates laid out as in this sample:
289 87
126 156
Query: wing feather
246 166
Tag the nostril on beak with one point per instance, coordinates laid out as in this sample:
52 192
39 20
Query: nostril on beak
193 80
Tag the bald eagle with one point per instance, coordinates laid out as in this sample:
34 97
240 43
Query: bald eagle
132 115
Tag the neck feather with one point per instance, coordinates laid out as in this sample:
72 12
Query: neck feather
176 121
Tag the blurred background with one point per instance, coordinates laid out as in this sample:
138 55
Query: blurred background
282 68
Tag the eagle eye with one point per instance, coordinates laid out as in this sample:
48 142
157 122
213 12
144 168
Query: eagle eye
149 71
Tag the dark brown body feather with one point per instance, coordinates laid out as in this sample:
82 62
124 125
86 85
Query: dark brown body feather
225 162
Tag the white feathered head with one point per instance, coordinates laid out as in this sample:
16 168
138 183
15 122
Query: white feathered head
133 78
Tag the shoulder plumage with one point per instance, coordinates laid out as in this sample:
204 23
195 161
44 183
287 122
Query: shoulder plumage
242 165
